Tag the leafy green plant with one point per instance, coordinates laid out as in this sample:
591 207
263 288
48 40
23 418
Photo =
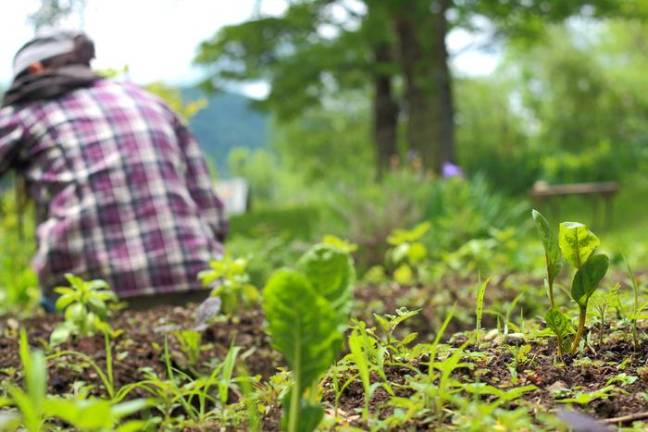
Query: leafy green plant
578 245
553 259
408 252
562 327
31 401
191 344
232 283
85 306
307 312
36 407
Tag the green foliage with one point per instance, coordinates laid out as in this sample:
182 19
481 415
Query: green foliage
306 315
18 282
231 283
578 246
553 259
293 222
408 252
331 274
85 306
577 243
588 277
562 327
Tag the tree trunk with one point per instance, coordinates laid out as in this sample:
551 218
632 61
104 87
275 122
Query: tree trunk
385 110
421 31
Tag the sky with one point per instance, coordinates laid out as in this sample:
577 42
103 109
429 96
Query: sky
158 39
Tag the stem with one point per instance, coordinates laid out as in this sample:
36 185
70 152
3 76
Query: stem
295 396
560 345
581 328
550 290
109 366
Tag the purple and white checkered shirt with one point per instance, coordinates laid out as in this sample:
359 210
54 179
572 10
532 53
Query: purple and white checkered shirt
121 189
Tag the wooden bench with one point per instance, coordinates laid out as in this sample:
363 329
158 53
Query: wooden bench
543 193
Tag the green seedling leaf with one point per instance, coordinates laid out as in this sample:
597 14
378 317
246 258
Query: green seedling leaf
303 326
558 322
503 395
307 314
479 309
400 236
577 243
331 274
582 398
562 327
588 278
551 246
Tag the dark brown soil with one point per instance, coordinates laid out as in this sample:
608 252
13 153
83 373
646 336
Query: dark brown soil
140 344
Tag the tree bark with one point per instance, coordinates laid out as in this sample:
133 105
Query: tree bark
421 31
385 110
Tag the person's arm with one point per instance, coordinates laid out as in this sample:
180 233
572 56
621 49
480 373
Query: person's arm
200 183
11 134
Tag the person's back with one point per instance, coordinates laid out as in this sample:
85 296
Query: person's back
121 189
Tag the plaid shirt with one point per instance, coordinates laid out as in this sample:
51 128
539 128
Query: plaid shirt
121 189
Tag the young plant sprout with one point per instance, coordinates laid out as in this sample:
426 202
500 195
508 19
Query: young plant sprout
307 311
233 285
577 245
85 306
408 252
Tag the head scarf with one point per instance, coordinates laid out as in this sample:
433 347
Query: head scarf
56 81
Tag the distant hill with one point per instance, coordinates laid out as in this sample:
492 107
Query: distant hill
227 121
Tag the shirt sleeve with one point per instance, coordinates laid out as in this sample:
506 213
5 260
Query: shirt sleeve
11 135
200 183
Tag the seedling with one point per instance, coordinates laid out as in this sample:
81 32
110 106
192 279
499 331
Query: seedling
232 283
307 311
578 245
407 252
479 307
85 306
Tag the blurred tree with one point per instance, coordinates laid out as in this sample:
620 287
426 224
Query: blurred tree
315 50
319 47
52 12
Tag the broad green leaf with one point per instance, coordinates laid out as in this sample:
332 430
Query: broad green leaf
588 278
90 414
577 243
550 243
132 426
558 322
128 408
303 326
61 333
331 273
64 301
35 371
